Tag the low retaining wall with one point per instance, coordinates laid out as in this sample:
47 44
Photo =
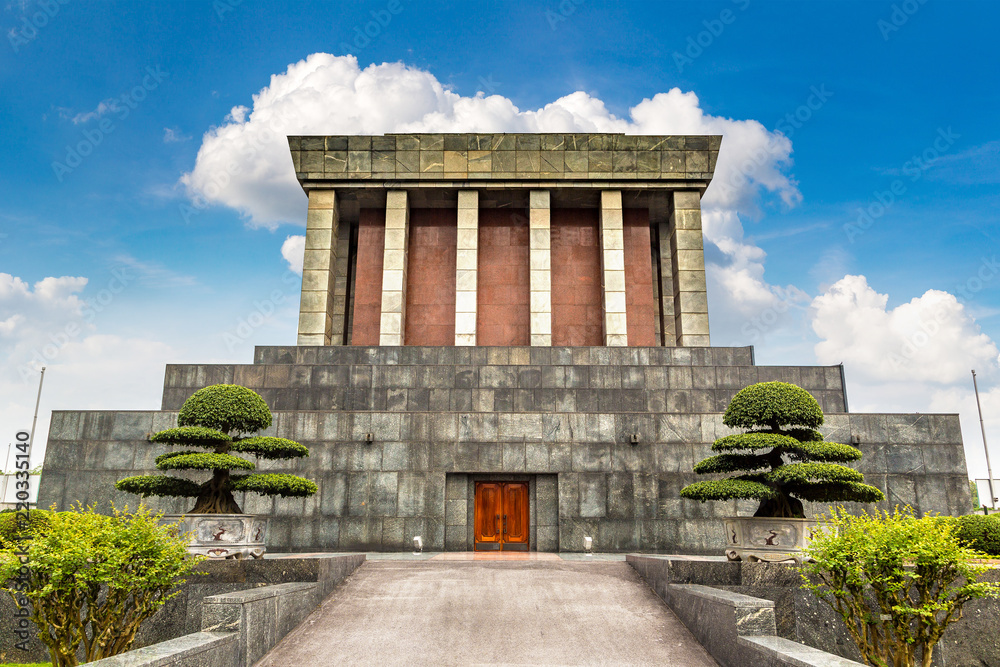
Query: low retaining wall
238 629
739 630
805 622
200 649
176 633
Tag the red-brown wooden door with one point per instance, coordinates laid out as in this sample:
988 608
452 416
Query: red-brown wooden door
501 516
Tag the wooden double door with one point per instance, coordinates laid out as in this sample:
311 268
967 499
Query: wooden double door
501 516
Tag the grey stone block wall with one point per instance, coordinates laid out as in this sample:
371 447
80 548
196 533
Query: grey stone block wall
560 418
181 616
801 617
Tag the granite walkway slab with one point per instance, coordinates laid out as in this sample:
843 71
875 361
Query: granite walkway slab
539 612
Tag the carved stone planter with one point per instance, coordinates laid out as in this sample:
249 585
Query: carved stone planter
223 535
768 539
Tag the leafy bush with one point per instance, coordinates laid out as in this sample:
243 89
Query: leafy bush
980 532
782 458
92 579
219 418
896 581
15 527
229 408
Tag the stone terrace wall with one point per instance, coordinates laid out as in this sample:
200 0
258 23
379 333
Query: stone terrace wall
570 412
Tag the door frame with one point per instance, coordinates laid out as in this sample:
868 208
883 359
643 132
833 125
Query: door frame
501 544
500 477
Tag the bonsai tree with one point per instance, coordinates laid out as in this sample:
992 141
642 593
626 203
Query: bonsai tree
781 459
221 419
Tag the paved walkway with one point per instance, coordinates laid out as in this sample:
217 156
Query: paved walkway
491 612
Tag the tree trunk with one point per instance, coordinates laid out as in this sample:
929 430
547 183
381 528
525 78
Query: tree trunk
215 497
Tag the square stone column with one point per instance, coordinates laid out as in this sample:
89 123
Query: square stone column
688 260
318 268
540 258
613 268
660 206
340 308
397 236
466 263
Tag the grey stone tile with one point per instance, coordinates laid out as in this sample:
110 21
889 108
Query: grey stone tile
593 490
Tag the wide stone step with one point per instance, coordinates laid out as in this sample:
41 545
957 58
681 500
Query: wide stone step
500 388
502 356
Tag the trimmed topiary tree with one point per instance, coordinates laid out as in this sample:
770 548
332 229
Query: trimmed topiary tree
782 459
221 418
979 531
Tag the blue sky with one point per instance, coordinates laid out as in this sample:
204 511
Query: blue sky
145 87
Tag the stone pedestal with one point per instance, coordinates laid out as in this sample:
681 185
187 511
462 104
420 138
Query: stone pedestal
223 535
768 539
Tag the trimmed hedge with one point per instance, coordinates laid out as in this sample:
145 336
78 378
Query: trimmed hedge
217 418
13 526
783 458
773 404
275 484
270 448
196 436
980 531
229 408
159 485
203 461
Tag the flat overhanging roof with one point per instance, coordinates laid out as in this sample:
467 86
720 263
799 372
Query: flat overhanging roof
490 160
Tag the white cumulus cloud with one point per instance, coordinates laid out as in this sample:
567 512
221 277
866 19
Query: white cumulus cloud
931 338
49 324
244 163
293 250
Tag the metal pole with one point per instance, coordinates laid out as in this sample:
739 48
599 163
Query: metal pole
31 436
989 470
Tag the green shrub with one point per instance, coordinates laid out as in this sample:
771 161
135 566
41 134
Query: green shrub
980 532
219 418
229 408
18 527
896 581
773 405
92 579
782 460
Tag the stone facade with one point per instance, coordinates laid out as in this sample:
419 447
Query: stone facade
510 308
578 190
444 417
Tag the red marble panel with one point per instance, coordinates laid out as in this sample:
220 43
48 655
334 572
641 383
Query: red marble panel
368 277
503 295
430 283
577 314
640 306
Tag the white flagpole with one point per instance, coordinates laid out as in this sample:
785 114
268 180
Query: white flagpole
989 470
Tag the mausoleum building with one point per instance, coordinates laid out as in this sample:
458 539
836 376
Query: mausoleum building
503 344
